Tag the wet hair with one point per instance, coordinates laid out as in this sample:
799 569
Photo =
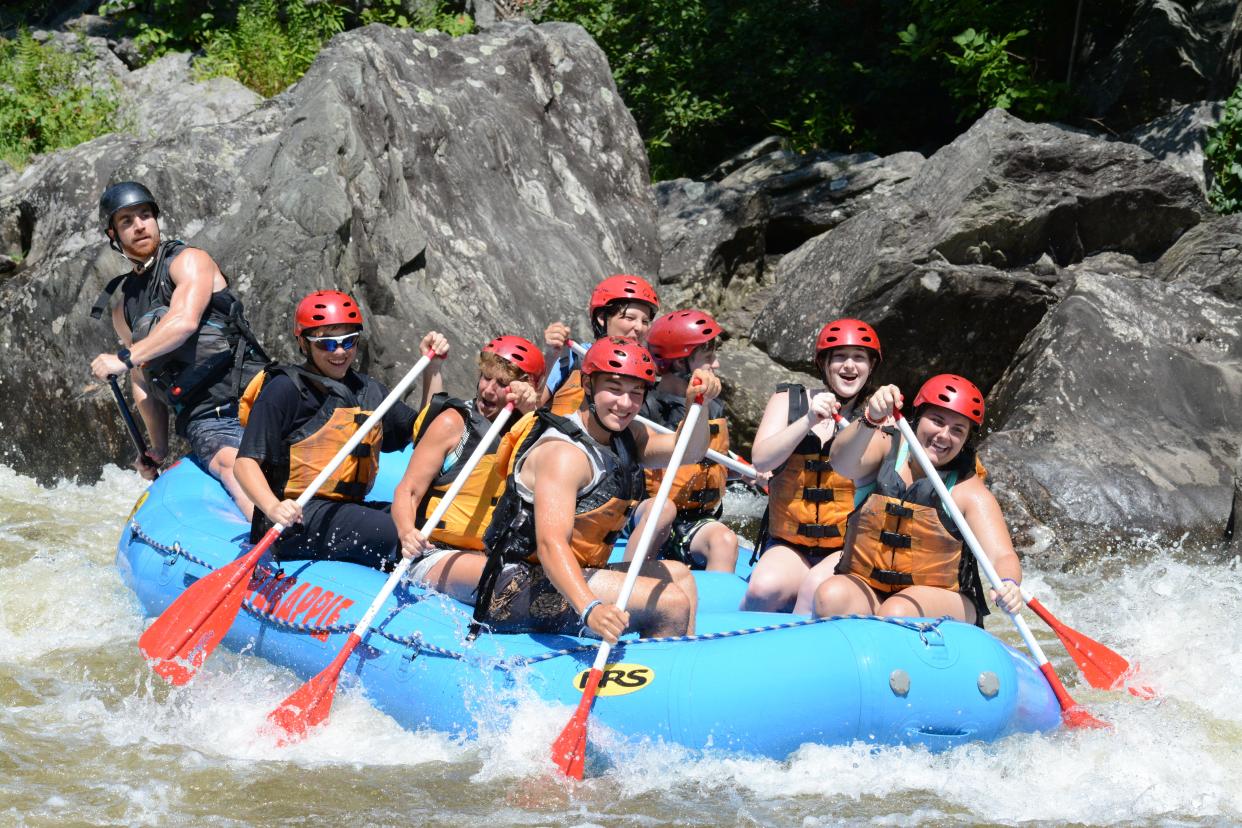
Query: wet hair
506 368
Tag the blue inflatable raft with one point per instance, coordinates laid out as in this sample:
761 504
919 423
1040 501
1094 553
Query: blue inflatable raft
755 683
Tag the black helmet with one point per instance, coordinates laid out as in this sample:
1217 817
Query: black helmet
124 194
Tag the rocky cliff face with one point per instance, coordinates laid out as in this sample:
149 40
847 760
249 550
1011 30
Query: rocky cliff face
472 185
484 184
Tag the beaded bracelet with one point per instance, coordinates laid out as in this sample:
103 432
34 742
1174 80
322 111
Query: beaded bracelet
867 421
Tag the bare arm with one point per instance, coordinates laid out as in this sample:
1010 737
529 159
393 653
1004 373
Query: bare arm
195 278
777 438
424 466
434 343
656 450
983 513
858 450
559 470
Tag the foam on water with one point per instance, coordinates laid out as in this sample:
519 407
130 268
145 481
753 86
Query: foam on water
92 736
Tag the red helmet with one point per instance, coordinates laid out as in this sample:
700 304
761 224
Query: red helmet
619 355
842 332
326 307
623 287
521 352
954 393
675 335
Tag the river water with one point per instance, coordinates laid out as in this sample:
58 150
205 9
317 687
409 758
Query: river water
89 736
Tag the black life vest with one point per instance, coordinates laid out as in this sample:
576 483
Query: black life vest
599 513
207 371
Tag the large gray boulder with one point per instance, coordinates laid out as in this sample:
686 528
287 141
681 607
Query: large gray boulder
1178 138
163 98
1121 413
957 267
1209 256
475 185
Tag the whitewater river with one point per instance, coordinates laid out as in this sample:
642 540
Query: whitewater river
88 736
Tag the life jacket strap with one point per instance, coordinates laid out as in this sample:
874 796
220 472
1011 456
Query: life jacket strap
894 539
818 465
818 495
819 530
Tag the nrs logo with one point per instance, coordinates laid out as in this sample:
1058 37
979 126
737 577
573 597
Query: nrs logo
618 679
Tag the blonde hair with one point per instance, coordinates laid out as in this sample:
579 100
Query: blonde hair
498 363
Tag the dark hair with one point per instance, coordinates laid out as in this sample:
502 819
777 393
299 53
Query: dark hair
964 463
599 319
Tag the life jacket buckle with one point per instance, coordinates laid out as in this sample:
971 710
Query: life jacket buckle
894 539
898 510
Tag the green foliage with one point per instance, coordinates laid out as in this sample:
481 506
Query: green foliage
46 101
162 26
270 46
1223 155
422 17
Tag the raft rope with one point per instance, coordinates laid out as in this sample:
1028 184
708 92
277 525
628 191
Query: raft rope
416 642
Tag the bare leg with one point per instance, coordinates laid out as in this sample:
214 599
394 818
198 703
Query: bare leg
663 527
774 581
457 575
819 573
928 602
676 572
845 595
657 607
221 466
717 543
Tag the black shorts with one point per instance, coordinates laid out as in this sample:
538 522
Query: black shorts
332 530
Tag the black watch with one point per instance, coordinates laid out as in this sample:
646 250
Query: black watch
123 356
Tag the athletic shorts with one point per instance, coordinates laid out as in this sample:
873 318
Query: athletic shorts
524 600
207 435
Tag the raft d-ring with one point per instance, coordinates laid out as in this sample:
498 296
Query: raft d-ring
170 559
405 665
933 629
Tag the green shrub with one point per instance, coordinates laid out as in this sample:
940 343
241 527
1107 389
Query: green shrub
270 47
46 101
1223 156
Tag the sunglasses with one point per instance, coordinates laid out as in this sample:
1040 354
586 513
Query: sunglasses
346 342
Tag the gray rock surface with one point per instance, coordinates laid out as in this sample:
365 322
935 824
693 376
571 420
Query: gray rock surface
1122 411
955 269
162 98
471 185
749 377
1178 138
1209 257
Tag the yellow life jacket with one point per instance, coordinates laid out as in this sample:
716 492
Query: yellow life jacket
698 488
470 513
567 399
808 502
312 446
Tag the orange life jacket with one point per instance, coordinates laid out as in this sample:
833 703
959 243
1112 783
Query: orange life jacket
313 445
808 502
902 536
470 513
567 399
698 488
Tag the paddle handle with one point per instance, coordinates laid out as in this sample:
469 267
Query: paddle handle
744 469
433 520
130 424
968 535
649 526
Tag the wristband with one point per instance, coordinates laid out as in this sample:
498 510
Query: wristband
1012 581
586 611
123 356
867 421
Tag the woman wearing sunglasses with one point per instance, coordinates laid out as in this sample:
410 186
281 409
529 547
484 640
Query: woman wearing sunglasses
298 417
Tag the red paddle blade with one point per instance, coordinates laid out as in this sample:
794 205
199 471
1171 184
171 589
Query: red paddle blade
185 634
1073 714
310 704
569 749
1103 668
